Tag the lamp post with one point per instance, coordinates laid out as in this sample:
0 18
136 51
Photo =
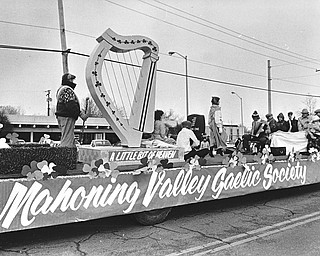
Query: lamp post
241 110
187 93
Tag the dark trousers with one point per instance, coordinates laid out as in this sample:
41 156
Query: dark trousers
201 153
247 138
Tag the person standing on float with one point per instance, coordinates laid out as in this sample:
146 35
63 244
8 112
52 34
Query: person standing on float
217 143
68 110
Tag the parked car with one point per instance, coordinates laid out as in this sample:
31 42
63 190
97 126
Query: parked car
99 143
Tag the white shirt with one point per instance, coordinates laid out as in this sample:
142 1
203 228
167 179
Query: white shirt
183 139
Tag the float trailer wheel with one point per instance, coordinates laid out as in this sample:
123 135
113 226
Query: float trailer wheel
152 217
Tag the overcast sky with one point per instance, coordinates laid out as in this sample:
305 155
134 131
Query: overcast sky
227 42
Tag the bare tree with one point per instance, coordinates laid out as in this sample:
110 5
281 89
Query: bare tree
11 110
95 111
170 115
310 102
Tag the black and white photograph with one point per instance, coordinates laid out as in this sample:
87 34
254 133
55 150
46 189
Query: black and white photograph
160 128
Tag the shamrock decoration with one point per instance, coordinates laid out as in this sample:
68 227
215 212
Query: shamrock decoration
236 159
153 165
144 161
165 163
257 158
101 168
12 137
194 163
295 156
29 169
314 154
42 170
264 157
202 161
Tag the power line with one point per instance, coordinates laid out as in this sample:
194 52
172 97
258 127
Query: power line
44 27
239 85
13 47
294 77
233 31
209 37
27 25
162 71
293 82
86 35
237 37
231 69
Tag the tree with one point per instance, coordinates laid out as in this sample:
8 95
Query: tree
174 122
11 110
310 102
170 115
7 127
95 111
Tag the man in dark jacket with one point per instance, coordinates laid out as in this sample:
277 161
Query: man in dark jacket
68 110
292 123
271 122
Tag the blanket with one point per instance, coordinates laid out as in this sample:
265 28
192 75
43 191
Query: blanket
293 141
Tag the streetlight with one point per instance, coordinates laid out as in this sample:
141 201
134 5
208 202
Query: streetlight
187 94
241 111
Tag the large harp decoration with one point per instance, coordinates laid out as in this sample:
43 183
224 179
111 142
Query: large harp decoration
129 128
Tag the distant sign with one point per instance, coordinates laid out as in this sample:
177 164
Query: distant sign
137 155
129 155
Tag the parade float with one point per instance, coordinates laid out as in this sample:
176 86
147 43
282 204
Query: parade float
142 178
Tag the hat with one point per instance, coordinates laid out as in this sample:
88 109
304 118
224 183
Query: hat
269 115
215 100
280 115
255 114
304 111
290 113
317 111
68 77
186 124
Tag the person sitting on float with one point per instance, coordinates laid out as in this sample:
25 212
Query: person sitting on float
183 141
259 133
160 131
313 133
271 122
205 142
304 120
282 125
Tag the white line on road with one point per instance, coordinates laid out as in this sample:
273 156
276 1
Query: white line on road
265 231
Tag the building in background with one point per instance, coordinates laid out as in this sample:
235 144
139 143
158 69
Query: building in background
31 128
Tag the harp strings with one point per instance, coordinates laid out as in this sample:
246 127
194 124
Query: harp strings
122 80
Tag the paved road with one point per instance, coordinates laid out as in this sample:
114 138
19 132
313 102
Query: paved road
270 223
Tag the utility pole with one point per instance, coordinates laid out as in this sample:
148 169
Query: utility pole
63 38
269 87
49 99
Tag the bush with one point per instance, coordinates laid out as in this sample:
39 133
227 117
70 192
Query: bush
13 159
29 145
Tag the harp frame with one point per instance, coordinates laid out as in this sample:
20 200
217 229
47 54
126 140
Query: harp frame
142 117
